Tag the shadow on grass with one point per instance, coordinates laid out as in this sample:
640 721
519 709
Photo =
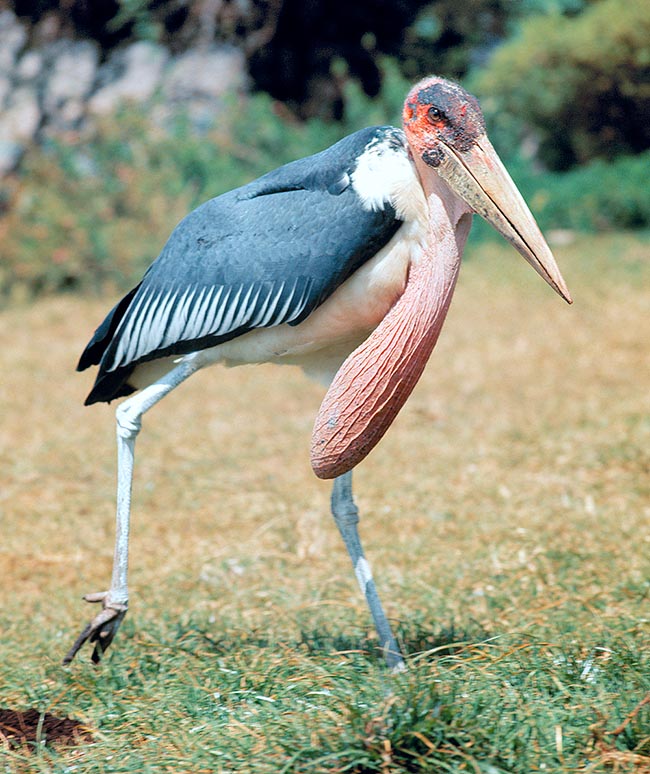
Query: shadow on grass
415 640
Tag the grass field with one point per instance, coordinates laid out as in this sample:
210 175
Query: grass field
506 515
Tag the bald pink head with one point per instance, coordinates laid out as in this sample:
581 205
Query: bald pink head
439 111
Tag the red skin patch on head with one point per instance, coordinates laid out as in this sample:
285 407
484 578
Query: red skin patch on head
462 123
418 128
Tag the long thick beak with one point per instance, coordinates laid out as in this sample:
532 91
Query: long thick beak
480 179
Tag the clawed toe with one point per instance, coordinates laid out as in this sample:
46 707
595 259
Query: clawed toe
102 629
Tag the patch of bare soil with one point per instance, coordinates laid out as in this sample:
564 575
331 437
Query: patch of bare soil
19 728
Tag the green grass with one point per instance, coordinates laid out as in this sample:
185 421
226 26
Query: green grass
179 698
505 515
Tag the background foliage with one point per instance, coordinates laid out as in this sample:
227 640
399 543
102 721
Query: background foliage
563 83
581 83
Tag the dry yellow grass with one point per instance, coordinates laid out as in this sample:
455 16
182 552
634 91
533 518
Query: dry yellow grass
515 484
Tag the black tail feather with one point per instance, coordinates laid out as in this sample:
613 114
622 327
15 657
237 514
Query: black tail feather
102 337
110 385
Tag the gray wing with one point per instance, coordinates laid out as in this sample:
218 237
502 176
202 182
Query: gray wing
262 255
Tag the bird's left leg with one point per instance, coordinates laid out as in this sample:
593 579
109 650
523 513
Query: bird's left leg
102 629
346 515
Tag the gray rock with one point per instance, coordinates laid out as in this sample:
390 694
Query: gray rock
19 122
132 74
21 116
10 153
71 76
207 74
13 37
5 88
70 114
29 66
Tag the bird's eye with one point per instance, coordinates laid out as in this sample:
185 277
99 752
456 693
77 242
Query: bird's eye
435 115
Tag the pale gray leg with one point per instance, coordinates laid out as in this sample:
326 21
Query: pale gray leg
346 515
102 629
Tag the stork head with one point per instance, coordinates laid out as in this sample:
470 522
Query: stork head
445 130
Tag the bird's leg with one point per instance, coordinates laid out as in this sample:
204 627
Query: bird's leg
346 515
102 629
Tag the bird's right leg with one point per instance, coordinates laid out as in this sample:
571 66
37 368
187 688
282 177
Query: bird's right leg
346 515
102 629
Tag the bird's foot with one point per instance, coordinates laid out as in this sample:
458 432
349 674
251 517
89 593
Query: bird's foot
398 668
101 629
394 660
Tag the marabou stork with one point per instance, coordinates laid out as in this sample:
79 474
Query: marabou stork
343 263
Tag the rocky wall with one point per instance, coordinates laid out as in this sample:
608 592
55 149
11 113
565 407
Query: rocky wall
60 86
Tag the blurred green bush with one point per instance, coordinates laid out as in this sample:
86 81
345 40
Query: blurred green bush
96 213
597 197
582 82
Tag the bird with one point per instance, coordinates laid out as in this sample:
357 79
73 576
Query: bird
343 263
